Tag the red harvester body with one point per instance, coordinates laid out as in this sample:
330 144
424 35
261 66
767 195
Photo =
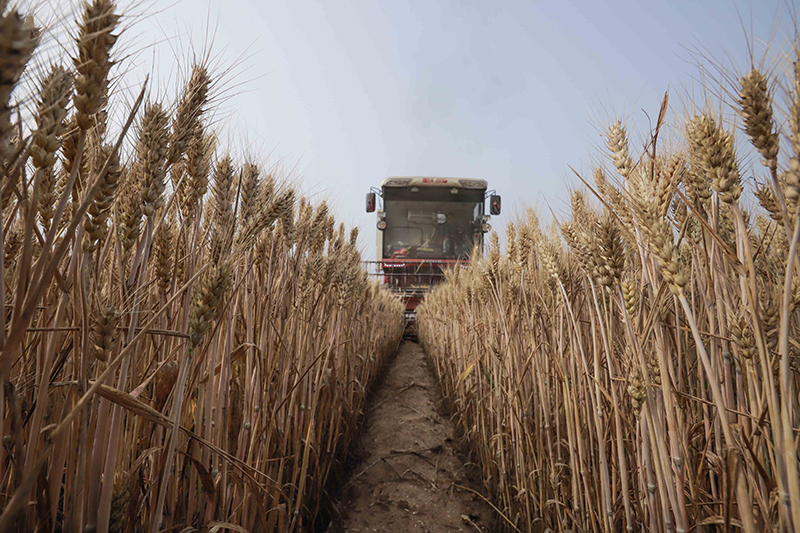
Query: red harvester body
426 225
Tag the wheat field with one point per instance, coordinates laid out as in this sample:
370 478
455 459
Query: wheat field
187 342
635 366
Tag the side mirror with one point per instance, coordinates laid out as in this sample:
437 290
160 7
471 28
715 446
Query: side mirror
494 204
370 202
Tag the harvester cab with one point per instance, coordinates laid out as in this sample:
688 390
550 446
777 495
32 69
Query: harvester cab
426 225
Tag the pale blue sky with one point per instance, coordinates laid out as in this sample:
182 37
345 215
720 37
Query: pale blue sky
349 92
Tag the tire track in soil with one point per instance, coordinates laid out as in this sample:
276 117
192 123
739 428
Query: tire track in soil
410 466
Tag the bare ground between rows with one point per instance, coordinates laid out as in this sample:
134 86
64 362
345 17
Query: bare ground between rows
411 476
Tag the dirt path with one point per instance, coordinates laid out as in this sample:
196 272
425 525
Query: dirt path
407 479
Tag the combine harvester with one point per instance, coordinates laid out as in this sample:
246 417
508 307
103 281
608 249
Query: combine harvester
426 225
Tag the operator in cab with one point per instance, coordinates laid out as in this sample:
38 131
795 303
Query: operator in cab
454 240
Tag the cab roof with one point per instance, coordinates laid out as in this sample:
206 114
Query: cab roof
425 181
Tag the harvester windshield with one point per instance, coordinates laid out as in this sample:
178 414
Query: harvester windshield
431 223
